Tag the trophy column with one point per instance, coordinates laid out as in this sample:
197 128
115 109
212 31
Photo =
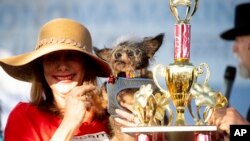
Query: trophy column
180 75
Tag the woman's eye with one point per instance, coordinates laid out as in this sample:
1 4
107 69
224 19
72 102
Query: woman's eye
73 56
49 59
70 56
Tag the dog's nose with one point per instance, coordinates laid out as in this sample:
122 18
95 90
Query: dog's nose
118 55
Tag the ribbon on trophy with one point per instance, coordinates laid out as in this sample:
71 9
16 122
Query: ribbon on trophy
151 108
205 97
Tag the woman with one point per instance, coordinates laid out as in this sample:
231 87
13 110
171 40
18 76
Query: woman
65 102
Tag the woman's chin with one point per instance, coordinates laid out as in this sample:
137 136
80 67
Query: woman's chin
63 89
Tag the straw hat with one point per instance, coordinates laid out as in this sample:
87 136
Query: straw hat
241 23
58 34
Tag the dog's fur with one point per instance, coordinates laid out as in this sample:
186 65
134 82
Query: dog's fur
128 56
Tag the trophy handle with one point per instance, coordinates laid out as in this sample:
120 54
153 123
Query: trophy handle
170 116
196 95
194 10
199 71
162 73
189 106
174 11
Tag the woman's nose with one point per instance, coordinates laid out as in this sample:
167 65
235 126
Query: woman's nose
62 64
62 67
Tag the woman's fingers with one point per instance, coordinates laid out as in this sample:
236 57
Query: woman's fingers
127 106
125 122
127 119
80 99
124 114
84 89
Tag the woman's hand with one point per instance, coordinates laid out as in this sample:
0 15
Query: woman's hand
78 102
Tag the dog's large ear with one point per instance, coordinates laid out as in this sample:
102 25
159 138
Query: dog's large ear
104 53
151 45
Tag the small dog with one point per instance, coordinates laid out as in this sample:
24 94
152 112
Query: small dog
128 59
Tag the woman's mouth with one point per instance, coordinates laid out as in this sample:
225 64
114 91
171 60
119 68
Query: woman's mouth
64 78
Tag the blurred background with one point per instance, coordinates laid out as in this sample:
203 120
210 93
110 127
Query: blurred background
109 19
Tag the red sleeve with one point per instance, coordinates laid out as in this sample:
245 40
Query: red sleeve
19 127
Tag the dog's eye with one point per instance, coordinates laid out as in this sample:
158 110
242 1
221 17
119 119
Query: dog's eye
130 53
137 52
117 55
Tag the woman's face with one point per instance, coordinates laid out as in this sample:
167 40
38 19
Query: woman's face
63 70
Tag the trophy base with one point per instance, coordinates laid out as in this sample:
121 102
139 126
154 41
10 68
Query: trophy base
173 133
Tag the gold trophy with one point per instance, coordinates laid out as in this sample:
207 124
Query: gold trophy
180 75
182 88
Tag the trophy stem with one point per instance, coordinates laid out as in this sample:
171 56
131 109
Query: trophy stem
180 117
179 80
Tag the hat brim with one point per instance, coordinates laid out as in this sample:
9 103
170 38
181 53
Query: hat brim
237 31
22 66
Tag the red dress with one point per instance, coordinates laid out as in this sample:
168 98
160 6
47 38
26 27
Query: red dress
27 123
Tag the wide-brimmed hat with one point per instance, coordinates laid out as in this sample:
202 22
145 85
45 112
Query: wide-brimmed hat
56 35
241 23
